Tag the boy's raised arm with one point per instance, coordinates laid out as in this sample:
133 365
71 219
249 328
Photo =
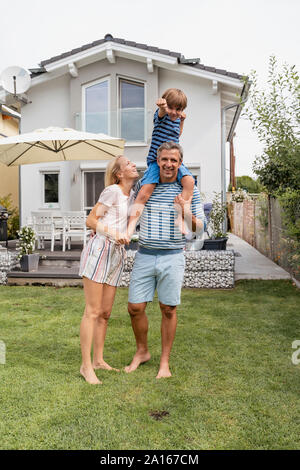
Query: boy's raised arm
162 104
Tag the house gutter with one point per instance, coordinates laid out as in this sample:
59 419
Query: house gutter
239 106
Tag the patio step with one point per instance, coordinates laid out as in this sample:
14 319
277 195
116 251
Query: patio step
46 275
60 261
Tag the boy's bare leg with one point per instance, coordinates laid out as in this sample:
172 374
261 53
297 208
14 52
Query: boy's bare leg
108 297
188 184
168 330
138 206
139 322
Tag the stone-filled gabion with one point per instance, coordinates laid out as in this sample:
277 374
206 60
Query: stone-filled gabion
8 261
203 269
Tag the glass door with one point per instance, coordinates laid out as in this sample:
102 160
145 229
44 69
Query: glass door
93 182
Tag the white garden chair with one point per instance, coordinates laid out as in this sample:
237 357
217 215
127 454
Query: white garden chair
74 226
44 228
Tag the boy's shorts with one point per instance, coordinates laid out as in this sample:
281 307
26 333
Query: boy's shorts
160 269
151 175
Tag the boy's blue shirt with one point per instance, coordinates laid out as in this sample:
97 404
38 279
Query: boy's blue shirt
164 130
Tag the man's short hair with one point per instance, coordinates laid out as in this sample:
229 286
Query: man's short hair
170 146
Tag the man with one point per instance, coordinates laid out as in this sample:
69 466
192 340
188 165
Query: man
159 262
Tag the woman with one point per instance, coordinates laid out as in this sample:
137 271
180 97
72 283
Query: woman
102 261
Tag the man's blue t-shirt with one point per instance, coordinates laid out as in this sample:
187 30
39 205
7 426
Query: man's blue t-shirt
157 222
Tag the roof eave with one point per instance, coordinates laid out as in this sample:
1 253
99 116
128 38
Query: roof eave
99 52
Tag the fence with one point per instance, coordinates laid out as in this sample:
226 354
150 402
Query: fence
259 222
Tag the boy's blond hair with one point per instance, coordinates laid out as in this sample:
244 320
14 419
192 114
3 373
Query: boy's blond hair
112 169
175 98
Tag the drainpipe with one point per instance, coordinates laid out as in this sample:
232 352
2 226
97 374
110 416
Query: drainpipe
223 147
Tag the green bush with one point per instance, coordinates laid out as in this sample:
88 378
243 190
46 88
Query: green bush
13 222
290 203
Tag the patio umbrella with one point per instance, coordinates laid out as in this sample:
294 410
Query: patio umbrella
56 144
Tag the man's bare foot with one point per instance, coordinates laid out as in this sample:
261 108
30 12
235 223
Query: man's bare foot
103 365
164 372
138 359
90 376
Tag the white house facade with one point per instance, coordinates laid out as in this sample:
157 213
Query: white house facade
111 86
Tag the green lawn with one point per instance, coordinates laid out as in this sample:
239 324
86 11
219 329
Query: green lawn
233 386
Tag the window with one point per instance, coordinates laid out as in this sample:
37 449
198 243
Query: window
51 189
93 186
132 110
96 107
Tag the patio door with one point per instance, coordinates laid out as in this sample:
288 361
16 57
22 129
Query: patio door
93 185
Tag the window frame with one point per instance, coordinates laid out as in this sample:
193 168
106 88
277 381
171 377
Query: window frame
132 143
84 86
50 205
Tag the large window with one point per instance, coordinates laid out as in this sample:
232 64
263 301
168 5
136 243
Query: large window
96 106
132 110
93 186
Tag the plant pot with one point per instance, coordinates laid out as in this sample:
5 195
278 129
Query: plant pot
30 262
132 246
216 244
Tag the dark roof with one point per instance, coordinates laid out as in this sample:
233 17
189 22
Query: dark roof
36 72
110 38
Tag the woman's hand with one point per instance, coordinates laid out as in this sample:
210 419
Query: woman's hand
122 238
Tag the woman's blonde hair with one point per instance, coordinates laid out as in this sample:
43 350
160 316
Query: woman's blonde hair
113 167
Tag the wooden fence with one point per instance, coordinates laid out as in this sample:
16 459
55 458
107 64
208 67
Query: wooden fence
259 222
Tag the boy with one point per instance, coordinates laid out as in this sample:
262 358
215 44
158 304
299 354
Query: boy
168 126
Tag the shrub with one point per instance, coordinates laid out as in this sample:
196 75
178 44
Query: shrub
13 222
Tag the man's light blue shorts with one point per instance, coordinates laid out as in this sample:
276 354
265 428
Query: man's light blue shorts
157 269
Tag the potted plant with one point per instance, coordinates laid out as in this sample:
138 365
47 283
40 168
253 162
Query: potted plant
29 261
217 238
133 245
240 195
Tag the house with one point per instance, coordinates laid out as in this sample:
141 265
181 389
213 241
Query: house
111 86
9 176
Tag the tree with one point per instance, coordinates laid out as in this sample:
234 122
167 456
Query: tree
248 184
275 116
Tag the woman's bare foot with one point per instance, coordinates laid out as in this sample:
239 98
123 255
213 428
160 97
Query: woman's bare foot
103 365
164 372
90 376
138 358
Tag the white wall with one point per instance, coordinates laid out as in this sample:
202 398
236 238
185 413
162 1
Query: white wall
32 185
201 137
50 106
56 102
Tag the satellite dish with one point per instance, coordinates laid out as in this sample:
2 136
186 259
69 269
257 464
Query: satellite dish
15 80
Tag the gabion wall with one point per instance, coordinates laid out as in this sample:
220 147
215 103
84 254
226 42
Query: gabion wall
8 261
203 269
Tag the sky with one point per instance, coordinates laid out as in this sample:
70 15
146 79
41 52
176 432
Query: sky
235 35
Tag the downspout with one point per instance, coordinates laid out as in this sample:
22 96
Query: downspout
244 96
